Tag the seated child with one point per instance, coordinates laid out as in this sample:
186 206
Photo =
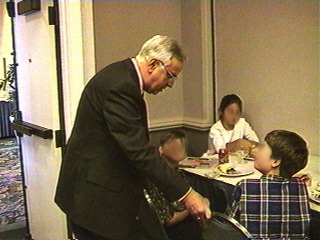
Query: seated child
177 221
231 132
276 205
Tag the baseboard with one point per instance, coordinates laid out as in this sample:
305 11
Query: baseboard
195 124
12 226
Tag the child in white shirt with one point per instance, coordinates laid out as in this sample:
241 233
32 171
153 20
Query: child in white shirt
231 132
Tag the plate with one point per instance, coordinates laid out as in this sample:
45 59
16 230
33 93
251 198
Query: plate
193 162
315 196
238 174
240 171
249 158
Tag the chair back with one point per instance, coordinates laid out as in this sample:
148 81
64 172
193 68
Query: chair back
223 227
150 220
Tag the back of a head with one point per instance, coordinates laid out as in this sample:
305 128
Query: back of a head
290 148
162 48
175 134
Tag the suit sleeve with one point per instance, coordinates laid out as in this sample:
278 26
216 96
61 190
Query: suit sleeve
124 116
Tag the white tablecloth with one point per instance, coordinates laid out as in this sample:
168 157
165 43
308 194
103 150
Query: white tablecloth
313 168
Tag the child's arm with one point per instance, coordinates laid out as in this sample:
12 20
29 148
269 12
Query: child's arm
250 134
216 141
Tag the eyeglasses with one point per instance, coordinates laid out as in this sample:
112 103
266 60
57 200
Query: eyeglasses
170 76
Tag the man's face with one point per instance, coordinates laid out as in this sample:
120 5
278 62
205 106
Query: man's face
159 76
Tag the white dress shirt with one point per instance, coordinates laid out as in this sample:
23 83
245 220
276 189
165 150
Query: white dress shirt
136 66
219 136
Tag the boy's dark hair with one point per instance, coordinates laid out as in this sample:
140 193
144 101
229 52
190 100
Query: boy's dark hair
175 134
227 101
290 148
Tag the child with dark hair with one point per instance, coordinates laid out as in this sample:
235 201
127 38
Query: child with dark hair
276 205
178 223
231 132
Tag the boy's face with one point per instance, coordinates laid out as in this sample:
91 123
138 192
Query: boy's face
174 150
263 161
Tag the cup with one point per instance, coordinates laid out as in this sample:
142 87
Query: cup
223 156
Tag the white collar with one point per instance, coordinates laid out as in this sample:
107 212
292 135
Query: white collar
136 66
220 126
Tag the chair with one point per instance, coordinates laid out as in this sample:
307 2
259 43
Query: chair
314 225
150 220
223 227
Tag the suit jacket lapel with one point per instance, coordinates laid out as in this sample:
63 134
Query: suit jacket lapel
145 115
128 62
135 78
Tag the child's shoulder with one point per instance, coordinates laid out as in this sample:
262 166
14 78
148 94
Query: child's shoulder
266 179
249 181
217 126
297 180
242 121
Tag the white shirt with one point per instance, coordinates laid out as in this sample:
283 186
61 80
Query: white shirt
219 136
136 66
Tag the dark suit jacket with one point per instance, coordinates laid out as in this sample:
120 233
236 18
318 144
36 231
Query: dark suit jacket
108 156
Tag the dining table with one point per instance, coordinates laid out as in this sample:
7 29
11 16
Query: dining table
246 170
204 177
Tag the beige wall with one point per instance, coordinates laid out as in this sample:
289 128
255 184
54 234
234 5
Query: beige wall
198 74
121 27
268 53
191 39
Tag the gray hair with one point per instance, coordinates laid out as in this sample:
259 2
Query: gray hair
162 48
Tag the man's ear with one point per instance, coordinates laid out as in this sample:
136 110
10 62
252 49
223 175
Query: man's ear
152 64
276 163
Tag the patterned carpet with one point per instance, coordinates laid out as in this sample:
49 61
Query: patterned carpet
12 211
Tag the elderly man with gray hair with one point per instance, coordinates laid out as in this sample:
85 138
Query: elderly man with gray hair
108 155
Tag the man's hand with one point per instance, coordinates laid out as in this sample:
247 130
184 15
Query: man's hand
198 206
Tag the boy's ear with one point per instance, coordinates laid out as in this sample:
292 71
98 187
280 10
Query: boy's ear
276 163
